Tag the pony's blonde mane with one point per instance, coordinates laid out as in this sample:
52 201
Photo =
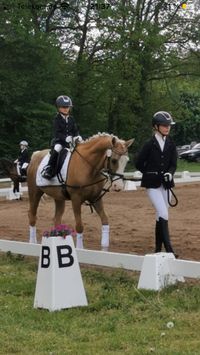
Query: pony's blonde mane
100 134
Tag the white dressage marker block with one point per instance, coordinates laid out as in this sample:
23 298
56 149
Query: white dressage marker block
155 273
13 196
59 282
130 185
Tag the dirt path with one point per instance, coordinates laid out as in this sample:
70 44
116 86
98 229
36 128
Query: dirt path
131 219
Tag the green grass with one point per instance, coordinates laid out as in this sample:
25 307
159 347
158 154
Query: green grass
183 165
118 320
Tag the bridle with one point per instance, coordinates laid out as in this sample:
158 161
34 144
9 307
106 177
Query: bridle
109 159
109 176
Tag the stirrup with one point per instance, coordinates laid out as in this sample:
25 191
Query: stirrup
46 175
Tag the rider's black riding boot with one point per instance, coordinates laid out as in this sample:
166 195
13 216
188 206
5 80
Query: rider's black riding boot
158 238
23 172
165 236
50 170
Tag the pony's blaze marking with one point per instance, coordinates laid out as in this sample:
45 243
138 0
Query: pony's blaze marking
109 153
118 185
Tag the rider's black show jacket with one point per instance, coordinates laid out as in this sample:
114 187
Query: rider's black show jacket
23 157
154 163
62 129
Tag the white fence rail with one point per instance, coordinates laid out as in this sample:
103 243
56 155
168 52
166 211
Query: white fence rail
175 268
8 191
180 177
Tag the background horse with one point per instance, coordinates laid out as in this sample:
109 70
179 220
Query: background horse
9 169
91 166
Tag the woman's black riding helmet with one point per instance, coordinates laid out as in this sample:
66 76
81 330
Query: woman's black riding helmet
162 118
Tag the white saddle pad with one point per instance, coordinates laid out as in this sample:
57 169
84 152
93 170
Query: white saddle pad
40 181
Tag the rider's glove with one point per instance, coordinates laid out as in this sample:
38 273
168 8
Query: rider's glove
24 166
168 177
78 139
69 139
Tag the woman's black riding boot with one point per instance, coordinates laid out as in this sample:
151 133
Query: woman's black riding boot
158 238
165 236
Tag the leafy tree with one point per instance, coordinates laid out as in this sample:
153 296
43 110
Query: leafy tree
188 128
31 77
119 64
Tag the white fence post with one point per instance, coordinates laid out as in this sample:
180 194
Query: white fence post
156 273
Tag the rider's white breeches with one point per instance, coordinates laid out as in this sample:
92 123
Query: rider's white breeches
24 166
58 147
159 200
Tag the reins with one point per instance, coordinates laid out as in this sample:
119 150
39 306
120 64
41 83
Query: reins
167 186
110 177
174 196
107 173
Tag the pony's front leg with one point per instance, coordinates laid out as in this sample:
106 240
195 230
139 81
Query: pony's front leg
76 205
59 210
32 227
34 199
105 229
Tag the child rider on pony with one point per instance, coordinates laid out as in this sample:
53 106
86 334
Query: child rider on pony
23 158
65 132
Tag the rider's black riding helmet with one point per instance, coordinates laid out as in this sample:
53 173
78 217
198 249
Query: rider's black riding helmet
63 101
162 118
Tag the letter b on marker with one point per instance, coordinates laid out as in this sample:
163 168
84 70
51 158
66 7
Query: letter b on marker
45 260
64 256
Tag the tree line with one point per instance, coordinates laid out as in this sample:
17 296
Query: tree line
119 64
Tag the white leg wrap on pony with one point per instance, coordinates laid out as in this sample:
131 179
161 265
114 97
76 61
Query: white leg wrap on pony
79 240
105 236
32 235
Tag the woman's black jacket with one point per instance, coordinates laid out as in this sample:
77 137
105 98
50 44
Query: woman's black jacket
23 157
153 163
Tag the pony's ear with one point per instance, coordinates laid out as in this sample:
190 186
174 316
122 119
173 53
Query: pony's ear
129 142
113 140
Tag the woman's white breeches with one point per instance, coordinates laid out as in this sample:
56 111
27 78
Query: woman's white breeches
159 200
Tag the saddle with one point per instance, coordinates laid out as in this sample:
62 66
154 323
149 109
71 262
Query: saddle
61 169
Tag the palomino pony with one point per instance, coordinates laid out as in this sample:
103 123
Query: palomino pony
93 163
9 168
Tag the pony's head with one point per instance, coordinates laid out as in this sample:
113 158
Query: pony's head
118 160
6 166
9 169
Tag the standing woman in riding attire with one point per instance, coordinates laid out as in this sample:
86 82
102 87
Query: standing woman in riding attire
157 161
65 131
23 158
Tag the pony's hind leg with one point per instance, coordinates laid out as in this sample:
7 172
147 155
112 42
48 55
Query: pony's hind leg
34 200
105 229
